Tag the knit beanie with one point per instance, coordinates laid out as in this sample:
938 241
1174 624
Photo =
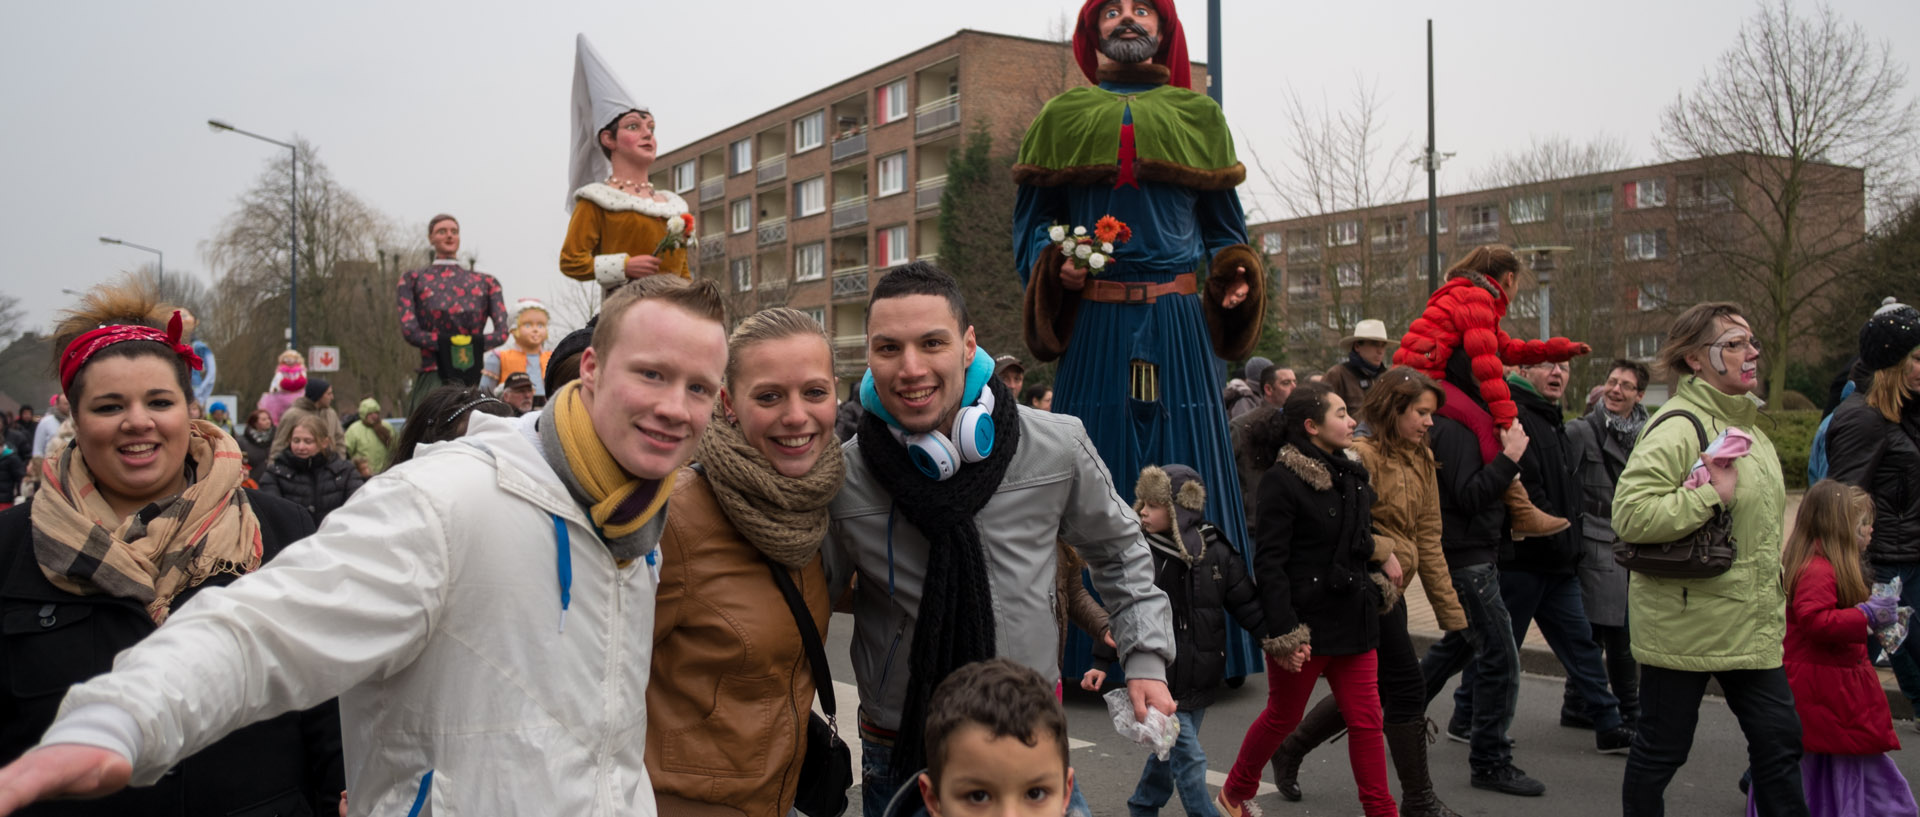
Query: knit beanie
317 388
1891 334
1254 368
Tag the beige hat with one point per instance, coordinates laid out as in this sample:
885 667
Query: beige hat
1369 329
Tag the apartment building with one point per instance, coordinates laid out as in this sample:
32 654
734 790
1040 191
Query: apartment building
1630 249
807 204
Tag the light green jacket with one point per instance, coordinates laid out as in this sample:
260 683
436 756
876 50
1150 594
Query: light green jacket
362 441
1734 621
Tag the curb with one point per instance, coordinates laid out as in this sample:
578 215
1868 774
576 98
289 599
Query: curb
1537 660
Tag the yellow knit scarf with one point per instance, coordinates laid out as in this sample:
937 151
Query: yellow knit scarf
599 476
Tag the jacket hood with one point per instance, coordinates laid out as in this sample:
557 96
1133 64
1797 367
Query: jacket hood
1736 409
521 469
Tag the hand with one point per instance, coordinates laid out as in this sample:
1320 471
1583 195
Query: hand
1513 441
1395 573
1147 693
1072 278
1108 637
1882 611
641 266
1237 294
1092 680
1723 479
62 770
1301 655
343 803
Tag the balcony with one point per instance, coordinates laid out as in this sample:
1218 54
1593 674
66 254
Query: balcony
1303 252
1391 242
850 284
937 114
773 294
850 350
771 170
927 193
1589 220
712 248
850 145
850 212
772 231
713 189
1479 233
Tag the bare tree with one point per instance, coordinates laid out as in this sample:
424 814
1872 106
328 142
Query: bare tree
13 318
573 304
1804 126
1553 157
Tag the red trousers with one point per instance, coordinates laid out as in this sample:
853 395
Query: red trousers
1355 690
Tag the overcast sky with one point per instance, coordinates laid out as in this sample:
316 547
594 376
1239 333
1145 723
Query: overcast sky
462 106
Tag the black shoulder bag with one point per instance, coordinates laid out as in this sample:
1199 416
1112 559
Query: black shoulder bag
1703 554
827 771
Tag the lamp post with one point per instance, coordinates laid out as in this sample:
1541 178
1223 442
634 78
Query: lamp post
159 265
293 225
1540 260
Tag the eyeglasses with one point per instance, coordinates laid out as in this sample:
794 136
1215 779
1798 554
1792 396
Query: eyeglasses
1738 347
1561 366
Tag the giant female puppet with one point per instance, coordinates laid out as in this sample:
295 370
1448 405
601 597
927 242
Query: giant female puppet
1140 343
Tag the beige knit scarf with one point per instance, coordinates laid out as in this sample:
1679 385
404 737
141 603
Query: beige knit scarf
785 517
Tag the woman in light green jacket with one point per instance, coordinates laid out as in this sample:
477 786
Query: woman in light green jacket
369 438
1730 627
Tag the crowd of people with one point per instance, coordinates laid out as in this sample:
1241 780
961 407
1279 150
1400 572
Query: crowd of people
313 613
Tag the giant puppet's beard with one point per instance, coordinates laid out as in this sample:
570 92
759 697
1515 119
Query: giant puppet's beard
1137 50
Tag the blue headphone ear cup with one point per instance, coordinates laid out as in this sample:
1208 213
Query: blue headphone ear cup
973 433
933 454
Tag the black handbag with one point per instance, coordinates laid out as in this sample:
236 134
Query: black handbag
826 773
1703 554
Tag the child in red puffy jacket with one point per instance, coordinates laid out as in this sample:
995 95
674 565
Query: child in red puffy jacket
1463 316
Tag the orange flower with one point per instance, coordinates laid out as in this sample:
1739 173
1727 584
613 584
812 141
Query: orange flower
689 218
1110 229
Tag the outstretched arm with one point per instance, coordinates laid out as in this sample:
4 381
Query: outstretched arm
1528 352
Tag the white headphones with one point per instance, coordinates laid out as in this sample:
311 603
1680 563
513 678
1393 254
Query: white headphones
935 454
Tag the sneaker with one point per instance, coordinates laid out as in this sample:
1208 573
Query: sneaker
1615 741
1459 733
1508 779
1245 809
1575 720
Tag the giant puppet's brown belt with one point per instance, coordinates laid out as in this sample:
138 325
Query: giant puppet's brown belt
1137 292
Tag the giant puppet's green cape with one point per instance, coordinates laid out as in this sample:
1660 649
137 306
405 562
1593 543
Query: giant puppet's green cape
1179 137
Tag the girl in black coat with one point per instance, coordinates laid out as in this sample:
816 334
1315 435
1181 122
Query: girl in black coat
309 473
1322 593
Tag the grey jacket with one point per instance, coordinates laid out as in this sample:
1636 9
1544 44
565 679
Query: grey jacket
1599 453
1056 486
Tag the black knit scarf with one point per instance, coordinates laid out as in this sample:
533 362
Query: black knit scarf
955 624
1367 371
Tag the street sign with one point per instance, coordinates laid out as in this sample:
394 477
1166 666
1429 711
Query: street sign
323 359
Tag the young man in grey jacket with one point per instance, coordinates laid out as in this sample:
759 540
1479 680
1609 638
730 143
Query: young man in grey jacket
956 561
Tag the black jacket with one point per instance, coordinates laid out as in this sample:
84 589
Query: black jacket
288 765
1473 520
1315 535
256 451
1857 436
1202 594
318 483
12 471
1547 471
20 436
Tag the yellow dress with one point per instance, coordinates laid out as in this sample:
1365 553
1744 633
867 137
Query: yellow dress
609 225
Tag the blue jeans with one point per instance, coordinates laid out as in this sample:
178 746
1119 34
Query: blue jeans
1185 769
1487 642
1906 668
1554 601
879 782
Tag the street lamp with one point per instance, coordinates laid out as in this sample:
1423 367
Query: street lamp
293 235
1540 260
159 266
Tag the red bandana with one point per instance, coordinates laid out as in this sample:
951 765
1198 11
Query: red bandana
83 348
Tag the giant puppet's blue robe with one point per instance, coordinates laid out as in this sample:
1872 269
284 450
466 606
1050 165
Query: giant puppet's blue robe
1144 378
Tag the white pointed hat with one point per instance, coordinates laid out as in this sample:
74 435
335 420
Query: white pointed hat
598 97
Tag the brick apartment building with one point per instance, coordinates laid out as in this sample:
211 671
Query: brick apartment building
1636 247
806 204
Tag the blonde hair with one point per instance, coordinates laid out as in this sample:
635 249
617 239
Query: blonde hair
1690 333
1887 393
1827 525
770 325
315 426
701 299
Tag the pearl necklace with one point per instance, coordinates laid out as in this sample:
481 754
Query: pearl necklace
630 186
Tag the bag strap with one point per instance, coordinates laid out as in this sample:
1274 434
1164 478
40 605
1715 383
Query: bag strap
1698 429
810 638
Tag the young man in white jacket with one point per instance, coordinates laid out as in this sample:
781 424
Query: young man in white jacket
481 611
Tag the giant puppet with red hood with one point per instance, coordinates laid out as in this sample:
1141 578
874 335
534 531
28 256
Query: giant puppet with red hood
1140 343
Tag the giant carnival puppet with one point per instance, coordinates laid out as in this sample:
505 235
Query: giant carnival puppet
622 227
444 310
1140 339
528 353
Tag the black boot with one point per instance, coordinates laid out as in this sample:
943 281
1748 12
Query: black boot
1407 742
1316 728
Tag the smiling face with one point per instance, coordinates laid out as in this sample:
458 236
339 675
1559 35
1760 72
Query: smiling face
445 238
1730 362
531 329
782 396
1001 776
631 138
1622 392
1129 30
652 391
131 428
919 355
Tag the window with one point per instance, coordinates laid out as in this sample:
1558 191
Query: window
1642 194
1647 246
1303 245
892 249
1525 306
1436 264
1589 209
740 156
683 174
1389 233
1643 347
1706 193
891 101
810 196
1529 209
810 262
1349 314
1652 296
742 210
1348 274
1304 282
742 269
818 314
1270 243
1421 219
1344 233
1483 223
893 174
808 131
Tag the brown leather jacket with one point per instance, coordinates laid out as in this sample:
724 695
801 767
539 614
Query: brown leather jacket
1406 513
730 690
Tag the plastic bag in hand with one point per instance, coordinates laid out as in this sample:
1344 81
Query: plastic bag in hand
1158 732
1895 634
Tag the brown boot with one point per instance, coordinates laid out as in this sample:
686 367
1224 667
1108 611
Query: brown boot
1316 728
1408 744
1527 520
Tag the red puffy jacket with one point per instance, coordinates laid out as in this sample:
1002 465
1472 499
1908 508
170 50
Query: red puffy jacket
1465 313
1842 708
